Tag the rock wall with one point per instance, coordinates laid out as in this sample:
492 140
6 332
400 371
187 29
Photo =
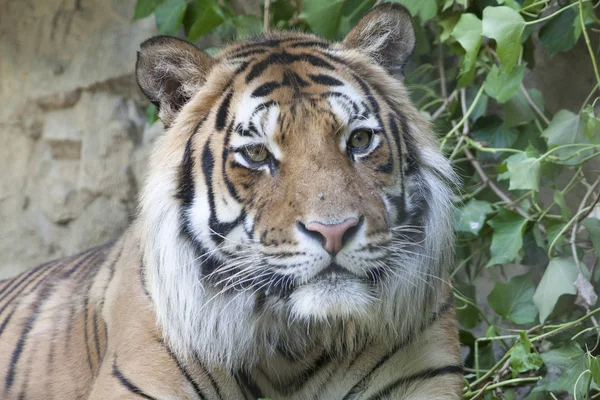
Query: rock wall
73 138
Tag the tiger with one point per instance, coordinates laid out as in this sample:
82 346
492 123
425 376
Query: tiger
293 238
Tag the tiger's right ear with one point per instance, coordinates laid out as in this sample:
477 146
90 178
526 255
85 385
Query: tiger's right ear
170 71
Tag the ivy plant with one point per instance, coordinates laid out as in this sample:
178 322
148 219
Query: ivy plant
527 211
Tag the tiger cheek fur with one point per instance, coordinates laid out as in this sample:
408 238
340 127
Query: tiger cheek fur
293 240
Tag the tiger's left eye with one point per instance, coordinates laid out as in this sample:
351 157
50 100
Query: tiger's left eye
257 154
359 140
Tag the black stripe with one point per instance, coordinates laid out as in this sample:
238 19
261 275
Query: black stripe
230 186
42 275
364 383
243 54
312 43
27 327
20 279
183 371
128 384
244 380
327 80
218 229
90 276
286 58
292 79
208 374
87 255
186 190
223 112
6 320
419 376
97 337
265 89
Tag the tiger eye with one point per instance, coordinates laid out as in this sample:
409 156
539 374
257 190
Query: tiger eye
359 139
257 153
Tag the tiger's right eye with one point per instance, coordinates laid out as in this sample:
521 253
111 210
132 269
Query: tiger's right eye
257 154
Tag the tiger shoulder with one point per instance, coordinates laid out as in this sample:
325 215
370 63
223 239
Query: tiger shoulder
293 239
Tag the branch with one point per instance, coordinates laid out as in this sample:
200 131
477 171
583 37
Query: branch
586 296
534 106
267 16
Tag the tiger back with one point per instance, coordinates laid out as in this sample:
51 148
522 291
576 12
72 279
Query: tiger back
293 239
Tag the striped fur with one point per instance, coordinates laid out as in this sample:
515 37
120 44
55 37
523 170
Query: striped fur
217 290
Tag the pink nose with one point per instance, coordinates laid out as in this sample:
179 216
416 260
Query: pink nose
333 234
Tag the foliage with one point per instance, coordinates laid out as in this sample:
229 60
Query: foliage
515 213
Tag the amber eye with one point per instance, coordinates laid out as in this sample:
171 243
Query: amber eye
359 139
256 154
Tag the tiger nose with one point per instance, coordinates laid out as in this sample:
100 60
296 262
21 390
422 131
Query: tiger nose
335 235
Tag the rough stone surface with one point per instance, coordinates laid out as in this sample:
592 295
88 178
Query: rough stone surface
73 139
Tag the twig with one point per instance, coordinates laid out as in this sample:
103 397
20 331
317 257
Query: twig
492 185
584 288
442 73
267 16
534 106
444 106
587 42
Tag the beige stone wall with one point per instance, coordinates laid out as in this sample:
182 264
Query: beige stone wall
73 139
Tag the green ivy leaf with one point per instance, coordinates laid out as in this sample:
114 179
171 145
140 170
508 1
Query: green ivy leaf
591 124
323 16
506 26
524 174
594 368
425 9
467 315
169 16
517 110
523 360
501 85
151 114
491 132
507 238
482 103
471 217
143 8
567 128
247 25
557 280
571 361
559 198
467 32
514 300
447 25
559 34
351 13
593 227
210 18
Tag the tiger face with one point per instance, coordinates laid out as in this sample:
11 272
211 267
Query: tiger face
295 180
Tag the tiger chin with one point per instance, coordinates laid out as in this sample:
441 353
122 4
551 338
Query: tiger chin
293 239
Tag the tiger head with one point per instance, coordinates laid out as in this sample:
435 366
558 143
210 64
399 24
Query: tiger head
296 186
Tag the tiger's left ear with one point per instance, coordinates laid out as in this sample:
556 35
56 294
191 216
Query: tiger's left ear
170 71
385 33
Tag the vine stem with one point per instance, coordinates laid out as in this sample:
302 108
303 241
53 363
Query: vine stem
267 16
533 105
492 185
500 384
587 42
537 21
464 118
576 222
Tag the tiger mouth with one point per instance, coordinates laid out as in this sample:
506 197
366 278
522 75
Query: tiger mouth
332 271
